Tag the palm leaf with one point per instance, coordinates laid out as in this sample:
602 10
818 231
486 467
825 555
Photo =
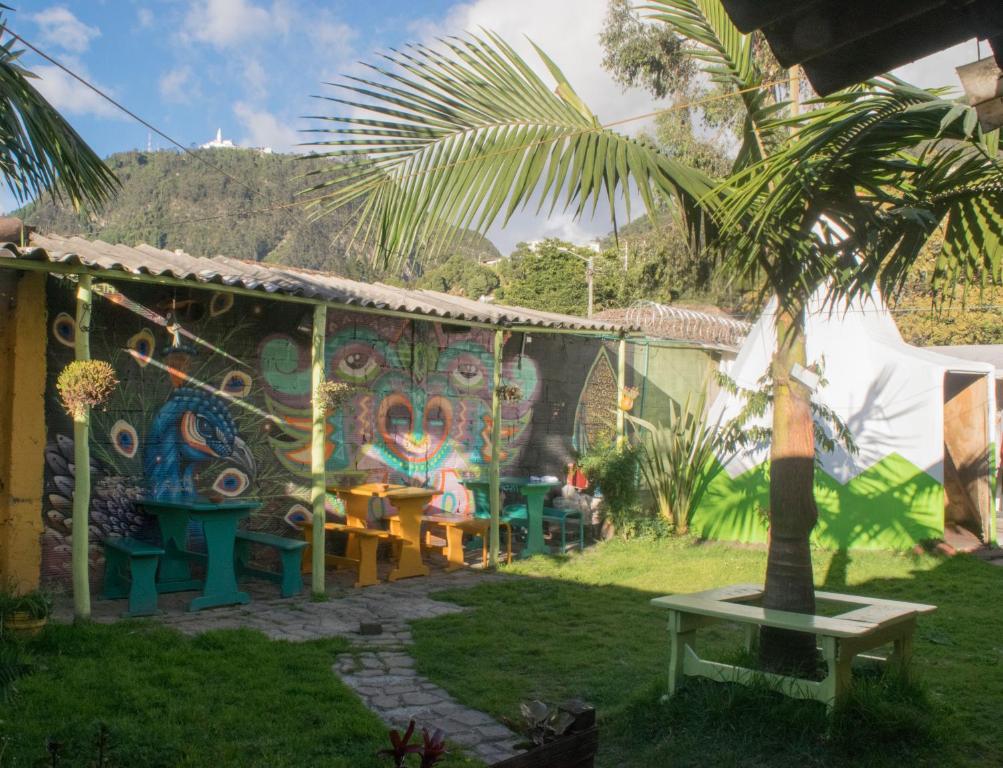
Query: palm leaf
39 150
463 138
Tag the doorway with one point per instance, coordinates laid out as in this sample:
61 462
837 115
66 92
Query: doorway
967 483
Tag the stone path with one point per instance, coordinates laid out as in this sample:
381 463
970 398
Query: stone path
378 668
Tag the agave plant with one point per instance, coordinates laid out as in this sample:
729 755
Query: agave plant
677 457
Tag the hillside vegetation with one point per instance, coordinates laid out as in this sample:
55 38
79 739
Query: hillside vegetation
171 200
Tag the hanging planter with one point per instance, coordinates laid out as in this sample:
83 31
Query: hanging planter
85 384
332 395
509 392
627 398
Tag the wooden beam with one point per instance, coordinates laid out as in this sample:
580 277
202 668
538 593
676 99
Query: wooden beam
621 383
80 552
494 475
318 458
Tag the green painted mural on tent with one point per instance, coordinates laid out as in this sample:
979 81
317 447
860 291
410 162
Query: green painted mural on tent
891 505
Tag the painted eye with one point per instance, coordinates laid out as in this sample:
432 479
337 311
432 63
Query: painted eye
64 328
468 375
221 304
231 482
124 438
237 384
358 365
298 515
142 345
202 426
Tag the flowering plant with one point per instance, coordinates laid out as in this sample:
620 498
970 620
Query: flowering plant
84 384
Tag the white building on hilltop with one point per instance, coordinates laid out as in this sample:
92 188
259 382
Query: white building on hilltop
219 142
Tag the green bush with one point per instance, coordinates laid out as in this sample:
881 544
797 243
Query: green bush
612 470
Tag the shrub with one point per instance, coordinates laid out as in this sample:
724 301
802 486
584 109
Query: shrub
612 470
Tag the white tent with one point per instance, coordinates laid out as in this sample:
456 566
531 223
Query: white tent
922 423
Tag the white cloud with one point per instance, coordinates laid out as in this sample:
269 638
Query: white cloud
58 27
937 69
328 33
263 129
145 17
69 96
228 23
175 85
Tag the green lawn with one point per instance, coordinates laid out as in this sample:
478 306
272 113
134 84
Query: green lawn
225 698
582 627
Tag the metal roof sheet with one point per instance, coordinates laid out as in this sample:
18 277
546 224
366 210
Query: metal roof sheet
145 260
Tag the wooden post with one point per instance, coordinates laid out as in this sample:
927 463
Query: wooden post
82 470
621 383
318 457
494 476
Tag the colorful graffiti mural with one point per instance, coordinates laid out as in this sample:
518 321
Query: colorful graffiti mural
223 409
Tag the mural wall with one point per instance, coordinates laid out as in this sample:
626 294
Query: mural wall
214 400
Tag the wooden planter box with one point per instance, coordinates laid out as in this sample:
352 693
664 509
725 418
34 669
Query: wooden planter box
576 749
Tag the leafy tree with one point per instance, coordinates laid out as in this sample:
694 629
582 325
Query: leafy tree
547 277
847 192
461 275
40 151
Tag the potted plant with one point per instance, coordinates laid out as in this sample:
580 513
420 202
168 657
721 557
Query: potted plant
24 615
627 398
564 736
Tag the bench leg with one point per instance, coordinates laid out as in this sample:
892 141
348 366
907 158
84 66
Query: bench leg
902 648
679 641
509 547
292 572
837 682
143 592
454 548
581 532
116 575
367 561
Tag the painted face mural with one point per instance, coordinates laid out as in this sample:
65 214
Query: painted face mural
422 411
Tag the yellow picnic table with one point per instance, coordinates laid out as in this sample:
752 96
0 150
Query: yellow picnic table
410 504
872 622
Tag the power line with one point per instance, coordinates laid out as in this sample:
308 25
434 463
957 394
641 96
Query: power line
121 107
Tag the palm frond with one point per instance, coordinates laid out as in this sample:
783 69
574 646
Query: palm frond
40 151
441 141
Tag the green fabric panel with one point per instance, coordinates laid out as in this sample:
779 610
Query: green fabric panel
673 374
891 505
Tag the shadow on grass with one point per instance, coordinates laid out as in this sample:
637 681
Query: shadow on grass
556 638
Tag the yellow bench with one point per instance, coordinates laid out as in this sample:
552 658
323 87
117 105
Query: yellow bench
454 527
360 553
871 623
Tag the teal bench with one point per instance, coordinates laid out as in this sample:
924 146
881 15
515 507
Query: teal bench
560 517
130 570
290 553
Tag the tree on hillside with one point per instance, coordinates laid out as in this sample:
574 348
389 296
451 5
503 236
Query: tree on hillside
548 276
40 151
844 194
461 275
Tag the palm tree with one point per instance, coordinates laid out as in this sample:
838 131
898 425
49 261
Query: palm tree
40 151
844 194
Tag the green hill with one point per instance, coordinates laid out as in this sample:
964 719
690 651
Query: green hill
171 200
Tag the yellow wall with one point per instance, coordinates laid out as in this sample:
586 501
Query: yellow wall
23 332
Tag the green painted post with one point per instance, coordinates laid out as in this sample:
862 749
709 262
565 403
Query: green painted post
82 459
494 476
621 382
317 457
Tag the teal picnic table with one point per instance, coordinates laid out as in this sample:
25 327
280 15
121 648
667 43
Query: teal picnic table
534 491
219 523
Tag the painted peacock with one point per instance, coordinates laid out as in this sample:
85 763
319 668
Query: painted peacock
191 429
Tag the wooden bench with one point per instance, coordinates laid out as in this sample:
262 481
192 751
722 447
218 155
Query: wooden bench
454 527
290 553
360 554
872 623
130 570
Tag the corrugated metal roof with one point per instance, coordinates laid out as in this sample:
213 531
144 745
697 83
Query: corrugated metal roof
145 260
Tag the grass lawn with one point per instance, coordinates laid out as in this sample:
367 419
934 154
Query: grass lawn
582 627
225 698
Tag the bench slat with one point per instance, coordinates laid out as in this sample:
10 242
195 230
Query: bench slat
270 540
134 547
838 597
798 622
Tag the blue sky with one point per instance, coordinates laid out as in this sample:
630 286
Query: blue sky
249 67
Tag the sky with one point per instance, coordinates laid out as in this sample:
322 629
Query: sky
251 67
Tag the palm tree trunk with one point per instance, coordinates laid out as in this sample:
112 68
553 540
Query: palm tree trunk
793 514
